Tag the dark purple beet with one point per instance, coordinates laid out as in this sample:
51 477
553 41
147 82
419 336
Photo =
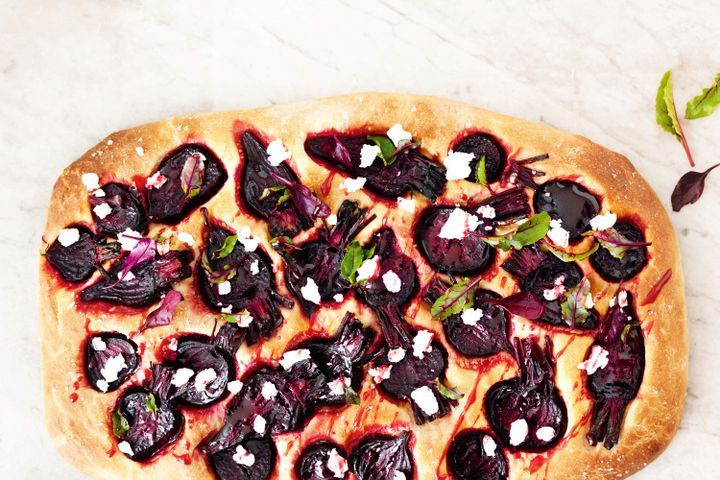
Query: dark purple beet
381 456
153 421
264 455
255 292
617 384
172 201
151 280
476 454
410 171
537 272
257 175
531 400
569 202
77 262
105 347
322 460
127 210
320 259
489 336
617 269
484 145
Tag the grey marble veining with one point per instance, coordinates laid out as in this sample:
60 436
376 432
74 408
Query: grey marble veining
70 72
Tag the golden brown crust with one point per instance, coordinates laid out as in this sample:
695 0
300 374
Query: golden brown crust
78 417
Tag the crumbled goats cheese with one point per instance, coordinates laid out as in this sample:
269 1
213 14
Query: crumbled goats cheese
338 297
368 154
268 391
398 475
331 220
425 399
244 236
457 165
422 343
337 386
518 432
603 222
396 354
380 373
243 457
310 291
90 180
545 434
353 184
125 448
224 287
489 446
259 424
255 267
128 239
204 378
558 234
471 316
392 281
397 134
551 294
100 193
486 211
597 360
406 204
68 236
156 180
291 357
458 224
337 464
98 344
235 386
186 238
622 299
102 210
277 153
368 269
181 376
112 368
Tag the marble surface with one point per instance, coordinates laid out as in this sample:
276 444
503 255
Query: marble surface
69 74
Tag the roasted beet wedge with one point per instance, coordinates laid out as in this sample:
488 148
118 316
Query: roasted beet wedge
322 460
145 419
146 285
110 359
569 202
615 366
235 275
383 457
527 412
617 269
77 261
124 210
474 337
475 454
204 365
484 145
542 274
316 263
264 189
252 459
409 171
191 175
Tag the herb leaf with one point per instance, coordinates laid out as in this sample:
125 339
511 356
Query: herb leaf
570 257
705 103
533 230
615 242
689 188
229 318
355 255
627 329
163 315
151 404
227 247
387 147
446 391
574 308
120 424
456 299
351 396
481 172
192 174
666 115
284 194
522 304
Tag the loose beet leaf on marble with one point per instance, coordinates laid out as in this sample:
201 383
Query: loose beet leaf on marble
705 103
689 188
666 115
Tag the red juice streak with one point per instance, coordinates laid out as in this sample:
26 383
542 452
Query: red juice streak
185 458
657 288
73 397
562 350
327 184
536 463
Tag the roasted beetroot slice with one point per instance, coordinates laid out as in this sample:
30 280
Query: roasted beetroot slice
319 260
484 145
382 457
150 281
110 359
126 210
194 174
410 171
254 460
527 412
251 281
617 269
78 261
285 218
393 263
145 421
322 460
615 385
468 256
476 454
569 202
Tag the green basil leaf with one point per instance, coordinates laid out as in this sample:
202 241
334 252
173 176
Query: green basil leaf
455 300
151 404
480 172
351 396
387 147
120 424
705 103
447 392
227 247
571 257
574 309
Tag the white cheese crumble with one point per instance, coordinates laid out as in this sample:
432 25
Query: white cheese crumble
380 373
186 238
331 219
597 360
255 267
102 210
406 204
181 376
353 184
102 385
422 343
337 386
68 236
457 165
337 464
425 399
545 434
338 297
156 180
551 294
558 234
622 299
486 211
603 222
259 424
90 180
125 448
204 378
291 357
100 193
458 224
98 344
398 475
471 316
368 269
277 153
397 134
227 309
113 367
244 236
310 292
128 239
269 391
224 287
368 154
489 446
518 432
396 354
172 345
243 457
392 281
235 386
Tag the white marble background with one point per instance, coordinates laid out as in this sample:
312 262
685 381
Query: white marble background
69 74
